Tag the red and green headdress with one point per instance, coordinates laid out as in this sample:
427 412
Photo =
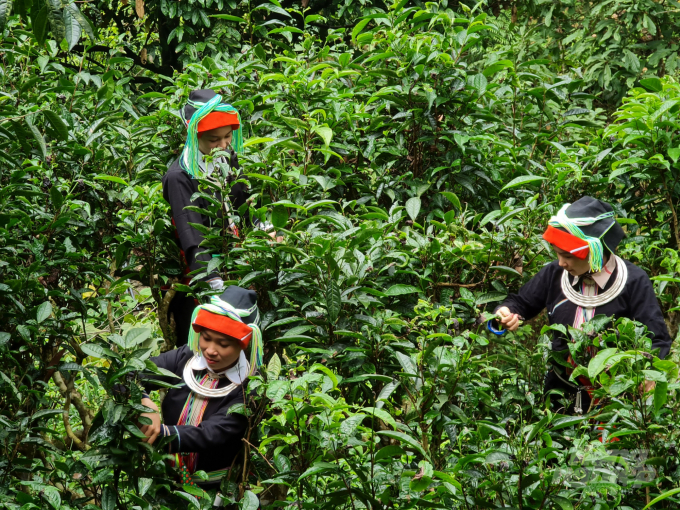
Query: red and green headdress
205 111
583 229
234 313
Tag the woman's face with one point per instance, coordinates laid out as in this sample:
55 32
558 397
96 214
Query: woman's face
573 265
219 350
218 138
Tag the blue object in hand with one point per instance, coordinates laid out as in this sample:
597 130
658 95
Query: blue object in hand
495 331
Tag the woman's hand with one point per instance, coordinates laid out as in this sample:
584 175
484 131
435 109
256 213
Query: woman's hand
151 431
508 320
647 386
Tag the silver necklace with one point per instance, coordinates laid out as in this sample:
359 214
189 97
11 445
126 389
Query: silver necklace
193 385
600 299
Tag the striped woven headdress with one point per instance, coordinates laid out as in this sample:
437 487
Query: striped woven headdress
239 323
584 229
201 104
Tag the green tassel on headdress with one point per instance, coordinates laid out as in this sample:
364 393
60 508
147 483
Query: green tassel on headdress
191 153
596 250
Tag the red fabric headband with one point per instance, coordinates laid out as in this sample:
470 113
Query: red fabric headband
223 324
216 120
567 242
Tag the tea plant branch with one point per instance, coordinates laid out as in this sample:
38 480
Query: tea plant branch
67 423
259 453
76 399
466 285
169 333
73 95
342 475
52 364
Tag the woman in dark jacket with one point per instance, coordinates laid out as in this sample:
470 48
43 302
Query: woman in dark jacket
587 278
205 435
211 125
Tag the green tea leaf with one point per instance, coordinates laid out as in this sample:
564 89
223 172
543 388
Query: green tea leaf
523 180
57 123
400 436
598 363
44 311
400 289
413 207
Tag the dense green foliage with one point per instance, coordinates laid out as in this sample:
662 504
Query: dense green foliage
411 156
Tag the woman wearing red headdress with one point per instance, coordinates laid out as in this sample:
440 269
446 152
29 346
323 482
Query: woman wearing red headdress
588 278
211 125
206 435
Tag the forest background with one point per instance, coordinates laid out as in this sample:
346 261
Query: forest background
411 154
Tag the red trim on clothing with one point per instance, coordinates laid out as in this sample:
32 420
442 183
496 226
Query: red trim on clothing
216 120
567 242
223 324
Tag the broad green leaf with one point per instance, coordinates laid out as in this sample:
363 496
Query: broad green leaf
388 452
111 178
136 336
660 395
279 216
667 105
333 301
57 123
400 436
109 497
51 494
84 22
325 133
321 368
144 485
567 421
413 207
40 25
598 363
54 16
262 178
489 297
256 140
46 412
94 350
358 28
228 17
274 367
349 425
56 197
400 289
385 393
562 503
674 154
72 28
381 414
494 428
193 502
38 138
317 469
479 83
522 180
5 7
44 311
452 198
652 84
